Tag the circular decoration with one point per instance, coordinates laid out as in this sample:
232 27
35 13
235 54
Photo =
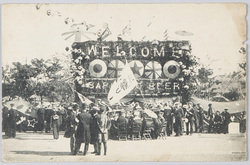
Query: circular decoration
97 68
137 68
153 70
114 68
171 69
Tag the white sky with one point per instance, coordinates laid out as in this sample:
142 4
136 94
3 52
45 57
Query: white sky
29 33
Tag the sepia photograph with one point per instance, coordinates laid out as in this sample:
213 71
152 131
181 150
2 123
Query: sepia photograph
124 82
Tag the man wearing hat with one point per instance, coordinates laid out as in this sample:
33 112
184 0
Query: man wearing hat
104 124
12 121
196 118
168 115
40 114
210 111
47 117
83 130
94 130
190 117
226 120
121 123
5 121
201 117
71 126
210 116
178 114
55 122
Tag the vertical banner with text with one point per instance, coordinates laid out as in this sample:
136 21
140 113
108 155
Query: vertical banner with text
122 86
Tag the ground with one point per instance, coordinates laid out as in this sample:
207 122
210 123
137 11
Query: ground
38 147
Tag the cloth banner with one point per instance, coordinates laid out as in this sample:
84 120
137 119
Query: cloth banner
83 98
122 86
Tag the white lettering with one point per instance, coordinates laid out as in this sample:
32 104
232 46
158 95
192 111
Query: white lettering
131 51
118 51
105 51
156 52
168 88
98 86
176 88
147 52
93 48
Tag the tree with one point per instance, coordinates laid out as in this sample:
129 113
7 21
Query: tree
50 79
203 74
16 83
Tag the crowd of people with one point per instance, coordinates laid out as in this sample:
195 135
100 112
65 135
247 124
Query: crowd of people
97 122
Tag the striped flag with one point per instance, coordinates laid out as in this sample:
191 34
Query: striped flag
106 33
166 35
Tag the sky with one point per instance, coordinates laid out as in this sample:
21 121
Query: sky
219 30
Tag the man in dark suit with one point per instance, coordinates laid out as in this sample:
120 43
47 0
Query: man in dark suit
226 120
196 119
201 117
178 114
210 111
94 130
168 115
83 130
40 114
5 121
190 117
12 121
121 122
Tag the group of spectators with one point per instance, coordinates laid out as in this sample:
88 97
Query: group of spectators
89 125
171 118
96 123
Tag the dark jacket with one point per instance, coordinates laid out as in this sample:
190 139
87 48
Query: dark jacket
178 113
94 130
226 117
121 123
168 114
83 129
217 119
12 116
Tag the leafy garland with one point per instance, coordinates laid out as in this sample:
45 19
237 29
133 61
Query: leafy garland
186 60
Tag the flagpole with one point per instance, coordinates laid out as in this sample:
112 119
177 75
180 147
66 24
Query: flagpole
141 94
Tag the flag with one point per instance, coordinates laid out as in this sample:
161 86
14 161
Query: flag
151 21
143 38
83 99
166 35
122 86
127 30
106 33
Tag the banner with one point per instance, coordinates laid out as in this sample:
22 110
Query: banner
122 86
83 99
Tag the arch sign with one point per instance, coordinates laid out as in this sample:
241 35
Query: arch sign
156 65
